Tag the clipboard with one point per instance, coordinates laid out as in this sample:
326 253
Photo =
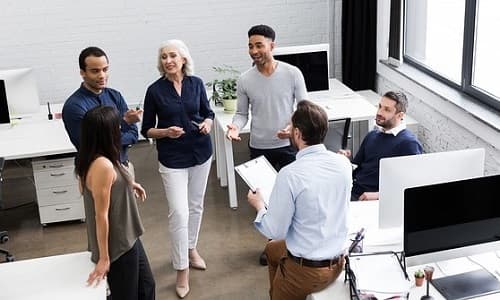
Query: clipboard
258 173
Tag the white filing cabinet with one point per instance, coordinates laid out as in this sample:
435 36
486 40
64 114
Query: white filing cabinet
57 191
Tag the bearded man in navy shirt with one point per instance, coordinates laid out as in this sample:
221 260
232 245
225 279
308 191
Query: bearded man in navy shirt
390 139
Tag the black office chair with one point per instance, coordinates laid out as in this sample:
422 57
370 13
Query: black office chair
4 236
338 134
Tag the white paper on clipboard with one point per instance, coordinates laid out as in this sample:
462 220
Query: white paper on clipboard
258 173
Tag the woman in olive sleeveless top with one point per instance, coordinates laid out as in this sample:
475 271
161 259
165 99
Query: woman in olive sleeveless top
113 222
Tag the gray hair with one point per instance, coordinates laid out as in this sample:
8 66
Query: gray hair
188 68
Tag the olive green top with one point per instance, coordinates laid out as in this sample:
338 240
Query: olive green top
125 225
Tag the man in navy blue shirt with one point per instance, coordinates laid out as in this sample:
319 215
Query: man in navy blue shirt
94 67
390 139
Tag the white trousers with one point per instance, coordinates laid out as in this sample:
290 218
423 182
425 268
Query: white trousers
185 191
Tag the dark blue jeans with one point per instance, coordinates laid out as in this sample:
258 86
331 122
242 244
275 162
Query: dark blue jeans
130 276
278 157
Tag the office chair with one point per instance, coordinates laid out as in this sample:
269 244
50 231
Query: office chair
4 236
338 134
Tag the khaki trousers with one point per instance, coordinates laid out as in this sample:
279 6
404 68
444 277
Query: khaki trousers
289 280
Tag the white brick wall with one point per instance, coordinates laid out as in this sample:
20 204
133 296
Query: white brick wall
336 37
49 35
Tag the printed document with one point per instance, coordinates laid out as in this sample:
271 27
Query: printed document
380 274
258 174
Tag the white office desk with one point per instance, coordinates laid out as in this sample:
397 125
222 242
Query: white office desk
339 102
50 278
339 289
35 136
365 214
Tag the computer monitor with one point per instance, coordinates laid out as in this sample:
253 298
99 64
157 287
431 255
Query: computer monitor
452 220
4 108
398 173
312 60
451 216
20 92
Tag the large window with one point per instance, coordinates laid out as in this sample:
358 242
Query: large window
457 42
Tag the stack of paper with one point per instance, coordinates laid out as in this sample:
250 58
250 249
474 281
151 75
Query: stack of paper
380 275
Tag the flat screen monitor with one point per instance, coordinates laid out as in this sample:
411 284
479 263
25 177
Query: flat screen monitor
398 173
451 215
21 92
312 60
452 220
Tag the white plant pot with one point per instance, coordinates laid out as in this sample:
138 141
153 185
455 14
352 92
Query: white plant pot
229 105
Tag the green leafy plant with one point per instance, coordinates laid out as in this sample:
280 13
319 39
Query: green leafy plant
224 87
419 273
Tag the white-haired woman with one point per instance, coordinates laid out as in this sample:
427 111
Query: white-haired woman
177 114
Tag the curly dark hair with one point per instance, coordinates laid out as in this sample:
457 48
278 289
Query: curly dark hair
90 51
264 30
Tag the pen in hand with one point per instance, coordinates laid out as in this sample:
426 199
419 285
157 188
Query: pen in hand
50 113
360 235
138 107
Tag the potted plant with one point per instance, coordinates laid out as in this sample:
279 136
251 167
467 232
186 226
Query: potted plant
419 277
224 87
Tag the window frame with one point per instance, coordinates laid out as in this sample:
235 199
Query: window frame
465 86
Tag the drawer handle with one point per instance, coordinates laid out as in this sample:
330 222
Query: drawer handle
57 174
56 166
62 209
59 192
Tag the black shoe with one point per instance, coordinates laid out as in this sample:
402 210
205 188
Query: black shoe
263 259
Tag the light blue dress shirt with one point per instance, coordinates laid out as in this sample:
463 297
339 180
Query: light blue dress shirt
309 204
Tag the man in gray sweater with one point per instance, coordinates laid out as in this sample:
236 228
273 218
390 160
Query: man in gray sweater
270 89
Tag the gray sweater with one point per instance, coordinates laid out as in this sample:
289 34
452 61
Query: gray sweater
271 101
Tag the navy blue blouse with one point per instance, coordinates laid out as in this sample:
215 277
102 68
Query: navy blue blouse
163 108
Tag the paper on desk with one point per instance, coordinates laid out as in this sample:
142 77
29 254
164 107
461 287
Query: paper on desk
381 273
258 174
488 261
362 214
457 266
385 236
